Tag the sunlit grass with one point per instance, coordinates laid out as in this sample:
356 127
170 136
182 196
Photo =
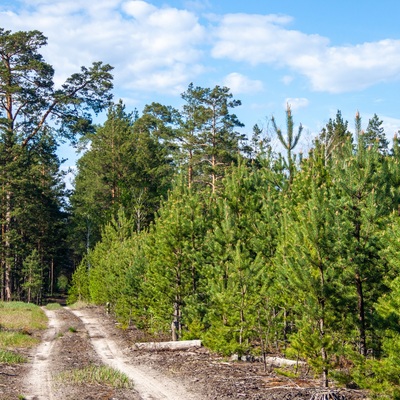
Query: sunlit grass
97 375
78 304
9 357
16 315
53 306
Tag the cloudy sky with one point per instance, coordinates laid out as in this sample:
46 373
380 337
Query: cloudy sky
318 56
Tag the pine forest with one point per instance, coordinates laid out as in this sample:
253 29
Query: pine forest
185 226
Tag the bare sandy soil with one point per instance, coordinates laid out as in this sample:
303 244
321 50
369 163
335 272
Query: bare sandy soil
79 338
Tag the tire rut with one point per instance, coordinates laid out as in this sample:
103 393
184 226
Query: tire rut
39 379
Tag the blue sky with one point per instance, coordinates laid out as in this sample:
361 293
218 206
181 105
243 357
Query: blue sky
318 56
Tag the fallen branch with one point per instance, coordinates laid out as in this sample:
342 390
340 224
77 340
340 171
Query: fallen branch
287 387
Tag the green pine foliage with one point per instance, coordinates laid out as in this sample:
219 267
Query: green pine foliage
208 136
363 206
174 278
115 269
382 373
307 269
235 263
79 289
289 141
32 273
32 206
126 166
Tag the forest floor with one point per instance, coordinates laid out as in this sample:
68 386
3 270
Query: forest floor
86 337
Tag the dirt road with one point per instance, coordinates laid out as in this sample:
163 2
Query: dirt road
76 339
80 335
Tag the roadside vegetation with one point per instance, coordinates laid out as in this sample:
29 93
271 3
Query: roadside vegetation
20 323
53 306
97 375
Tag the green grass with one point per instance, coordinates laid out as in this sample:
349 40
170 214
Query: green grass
286 372
9 357
97 375
11 339
72 329
53 306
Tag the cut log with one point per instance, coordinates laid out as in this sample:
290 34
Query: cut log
282 361
274 361
179 345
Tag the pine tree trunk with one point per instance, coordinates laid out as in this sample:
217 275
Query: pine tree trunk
7 246
29 295
3 263
190 169
361 316
359 285
7 282
324 356
325 382
213 174
175 326
285 327
52 276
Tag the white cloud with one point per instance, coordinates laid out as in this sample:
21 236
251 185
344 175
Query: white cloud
197 4
287 79
239 83
138 9
151 48
341 69
264 39
296 103
164 48
69 177
391 126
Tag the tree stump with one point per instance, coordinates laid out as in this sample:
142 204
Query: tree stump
327 395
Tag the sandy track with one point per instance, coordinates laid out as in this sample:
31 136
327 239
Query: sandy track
148 383
39 380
